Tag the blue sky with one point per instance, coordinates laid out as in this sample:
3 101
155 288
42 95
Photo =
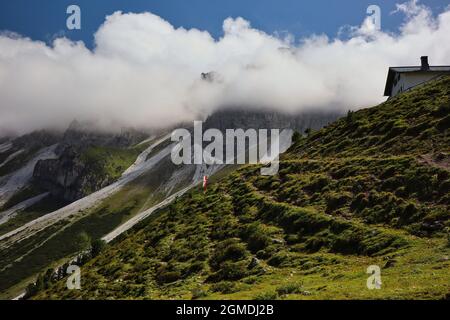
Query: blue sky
153 71
43 19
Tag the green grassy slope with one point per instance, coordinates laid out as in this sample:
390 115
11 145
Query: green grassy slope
43 207
106 164
370 189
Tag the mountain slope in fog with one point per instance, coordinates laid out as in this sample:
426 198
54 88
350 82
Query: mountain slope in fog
371 189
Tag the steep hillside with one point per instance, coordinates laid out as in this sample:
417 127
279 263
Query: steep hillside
414 123
46 171
372 188
84 189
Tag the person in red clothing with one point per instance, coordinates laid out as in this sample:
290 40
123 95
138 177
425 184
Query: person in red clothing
205 183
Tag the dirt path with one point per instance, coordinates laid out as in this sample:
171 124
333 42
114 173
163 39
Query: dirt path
440 161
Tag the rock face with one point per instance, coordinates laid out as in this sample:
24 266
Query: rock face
69 177
37 139
245 119
81 135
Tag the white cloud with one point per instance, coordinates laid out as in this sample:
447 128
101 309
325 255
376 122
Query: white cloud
145 73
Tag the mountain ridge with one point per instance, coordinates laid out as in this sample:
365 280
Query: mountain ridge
369 189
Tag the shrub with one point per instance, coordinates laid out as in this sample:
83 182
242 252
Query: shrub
296 137
336 200
224 287
350 119
392 183
317 184
265 182
251 280
444 123
290 288
267 252
401 192
233 271
442 110
230 271
347 242
388 172
82 241
314 244
444 187
140 266
408 212
256 236
228 250
359 203
278 259
168 276
196 267
416 130
397 129
225 228
198 293
97 247
269 295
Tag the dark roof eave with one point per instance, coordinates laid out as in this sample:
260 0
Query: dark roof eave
393 70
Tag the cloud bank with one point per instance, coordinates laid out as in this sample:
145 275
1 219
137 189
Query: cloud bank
145 73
